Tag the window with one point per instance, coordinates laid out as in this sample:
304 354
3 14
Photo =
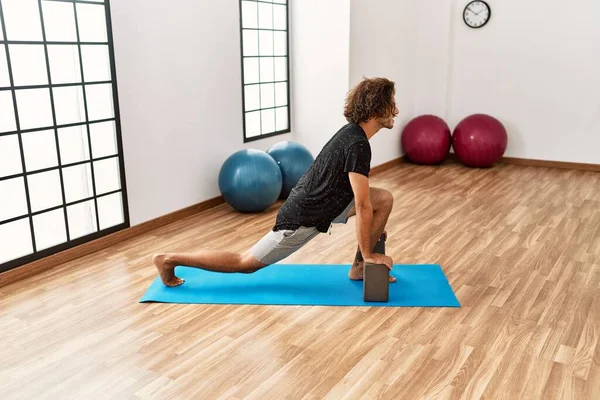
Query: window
62 181
265 68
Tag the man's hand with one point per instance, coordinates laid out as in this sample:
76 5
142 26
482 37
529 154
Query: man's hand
382 259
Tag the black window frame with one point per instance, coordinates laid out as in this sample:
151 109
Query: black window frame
37 255
288 78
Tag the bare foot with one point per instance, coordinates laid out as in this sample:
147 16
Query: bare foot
166 270
356 272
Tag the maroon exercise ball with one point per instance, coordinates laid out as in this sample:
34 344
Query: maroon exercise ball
479 141
426 140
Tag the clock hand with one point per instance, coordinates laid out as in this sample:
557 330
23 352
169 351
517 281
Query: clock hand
473 11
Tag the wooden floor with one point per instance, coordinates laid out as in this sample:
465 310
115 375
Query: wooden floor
520 247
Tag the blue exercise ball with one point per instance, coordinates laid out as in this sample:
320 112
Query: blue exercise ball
250 180
293 159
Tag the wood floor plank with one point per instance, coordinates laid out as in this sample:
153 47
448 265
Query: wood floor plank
520 246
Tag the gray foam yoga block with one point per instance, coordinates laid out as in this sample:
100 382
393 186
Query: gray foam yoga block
379 246
376 282
376 277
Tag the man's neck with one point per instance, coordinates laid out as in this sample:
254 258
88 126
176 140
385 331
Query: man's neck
370 127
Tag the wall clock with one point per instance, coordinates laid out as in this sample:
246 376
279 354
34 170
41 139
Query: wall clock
476 14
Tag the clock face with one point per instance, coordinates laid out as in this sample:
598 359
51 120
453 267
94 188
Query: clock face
477 14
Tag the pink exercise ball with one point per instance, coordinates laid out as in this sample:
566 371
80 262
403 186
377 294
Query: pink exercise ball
479 141
426 140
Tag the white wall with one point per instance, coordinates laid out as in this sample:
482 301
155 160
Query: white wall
534 66
320 70
431 57
383 43
179 72
179 80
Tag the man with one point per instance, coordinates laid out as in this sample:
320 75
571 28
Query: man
334 188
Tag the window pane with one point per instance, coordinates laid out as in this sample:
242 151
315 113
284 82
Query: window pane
44 190
64 64
91 21
253 124
74 145
281 117
13 201
99 101
68 104
252 97
96 64
51 85
250 43
28 63
4 77
266 69
59 21
280 43
267 95
49 229
7 110
15 240
266 42
110 210
106 174
268 121
40 150
280 1
279 17
280 68
281 94
82 219
78 182
104 139
22 18
265 16
249 14
251 70
10 156
34 108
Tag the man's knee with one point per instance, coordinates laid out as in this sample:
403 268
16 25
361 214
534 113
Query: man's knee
388 199
252 269
249 264
249 271
384 200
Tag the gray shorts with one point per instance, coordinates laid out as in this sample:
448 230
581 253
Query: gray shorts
276 246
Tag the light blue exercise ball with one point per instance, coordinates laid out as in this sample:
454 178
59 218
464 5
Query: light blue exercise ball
293 160
250 180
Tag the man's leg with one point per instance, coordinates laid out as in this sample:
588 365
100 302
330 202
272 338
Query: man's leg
382 201
272 248
210 260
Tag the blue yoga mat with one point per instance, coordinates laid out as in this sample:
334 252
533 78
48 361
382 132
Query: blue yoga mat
301 284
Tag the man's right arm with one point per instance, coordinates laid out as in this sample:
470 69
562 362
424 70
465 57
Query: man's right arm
364 212
364 219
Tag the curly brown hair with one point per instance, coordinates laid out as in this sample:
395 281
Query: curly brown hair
371 98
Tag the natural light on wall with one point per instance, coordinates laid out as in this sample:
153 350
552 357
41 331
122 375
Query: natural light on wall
265 68
61 175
